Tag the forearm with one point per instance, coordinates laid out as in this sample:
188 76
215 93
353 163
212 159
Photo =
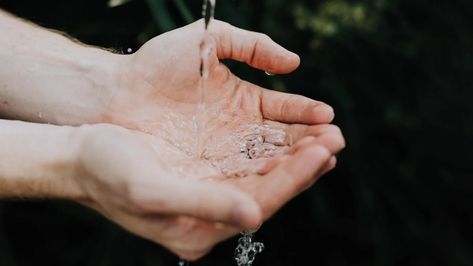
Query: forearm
38 161
46 77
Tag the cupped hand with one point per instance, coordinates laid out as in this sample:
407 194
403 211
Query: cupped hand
161 92
173 185
134 179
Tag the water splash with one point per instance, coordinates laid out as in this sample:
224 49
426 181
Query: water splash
246 251
243 151
183 263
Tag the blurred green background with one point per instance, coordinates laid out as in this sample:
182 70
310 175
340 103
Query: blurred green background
399 75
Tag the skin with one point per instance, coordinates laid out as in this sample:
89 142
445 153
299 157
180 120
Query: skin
138 162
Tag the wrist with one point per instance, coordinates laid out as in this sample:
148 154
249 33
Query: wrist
92 160
102 72
39 161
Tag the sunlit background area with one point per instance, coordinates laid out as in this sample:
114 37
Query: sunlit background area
399 74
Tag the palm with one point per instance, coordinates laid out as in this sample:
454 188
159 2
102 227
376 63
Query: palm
203 121
171 219
195 137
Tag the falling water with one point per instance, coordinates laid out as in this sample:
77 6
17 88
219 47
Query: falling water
206 48
183 263
259 142
247 250
208 11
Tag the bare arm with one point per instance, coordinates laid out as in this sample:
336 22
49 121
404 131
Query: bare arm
127 175
117 172
38 161
46 77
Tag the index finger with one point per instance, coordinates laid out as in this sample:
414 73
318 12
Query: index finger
293 108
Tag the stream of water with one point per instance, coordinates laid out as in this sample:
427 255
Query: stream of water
255 141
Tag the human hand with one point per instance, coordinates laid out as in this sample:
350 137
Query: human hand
159 92
155 91
127 176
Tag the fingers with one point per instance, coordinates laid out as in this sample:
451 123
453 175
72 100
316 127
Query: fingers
291 177
206 200
291 108
133 177
256 49
271 164
329 136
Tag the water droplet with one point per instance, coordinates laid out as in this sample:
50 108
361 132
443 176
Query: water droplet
183 263
129 50
269 74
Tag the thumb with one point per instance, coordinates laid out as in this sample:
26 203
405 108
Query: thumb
256 49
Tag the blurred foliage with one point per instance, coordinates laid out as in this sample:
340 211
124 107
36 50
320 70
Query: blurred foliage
399 74
333 15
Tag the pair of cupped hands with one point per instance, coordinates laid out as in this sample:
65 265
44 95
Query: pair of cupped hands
130 162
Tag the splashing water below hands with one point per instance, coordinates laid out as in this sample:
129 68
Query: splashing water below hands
246 251
183 263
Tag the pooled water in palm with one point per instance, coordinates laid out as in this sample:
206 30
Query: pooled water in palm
242 152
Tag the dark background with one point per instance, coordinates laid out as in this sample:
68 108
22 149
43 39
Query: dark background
399 75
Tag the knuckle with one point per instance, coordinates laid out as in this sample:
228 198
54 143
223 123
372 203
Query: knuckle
264 37
284 108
